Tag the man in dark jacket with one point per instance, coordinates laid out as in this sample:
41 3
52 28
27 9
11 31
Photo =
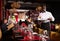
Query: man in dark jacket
6 30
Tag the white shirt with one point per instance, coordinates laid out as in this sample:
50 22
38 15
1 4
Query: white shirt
45 15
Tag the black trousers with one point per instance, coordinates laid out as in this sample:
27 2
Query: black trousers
47 26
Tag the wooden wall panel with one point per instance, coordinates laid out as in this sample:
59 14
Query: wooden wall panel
0 9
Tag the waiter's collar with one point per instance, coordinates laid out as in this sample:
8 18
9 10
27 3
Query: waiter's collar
43 11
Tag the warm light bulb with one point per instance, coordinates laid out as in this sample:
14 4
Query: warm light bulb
57 27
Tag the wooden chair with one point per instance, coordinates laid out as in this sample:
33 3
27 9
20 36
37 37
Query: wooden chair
0 34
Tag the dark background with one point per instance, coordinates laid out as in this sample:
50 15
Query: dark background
54 7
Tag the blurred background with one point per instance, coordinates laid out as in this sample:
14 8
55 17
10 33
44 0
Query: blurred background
51 5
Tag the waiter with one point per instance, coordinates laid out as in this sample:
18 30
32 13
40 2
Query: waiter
46 17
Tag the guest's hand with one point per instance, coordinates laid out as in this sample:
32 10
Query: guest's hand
29 20
10 26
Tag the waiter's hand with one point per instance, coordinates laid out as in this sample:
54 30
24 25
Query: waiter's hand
10 26
39 16
49 19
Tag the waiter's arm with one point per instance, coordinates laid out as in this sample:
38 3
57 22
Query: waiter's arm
51 17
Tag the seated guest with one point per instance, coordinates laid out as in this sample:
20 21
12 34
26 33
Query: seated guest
6 30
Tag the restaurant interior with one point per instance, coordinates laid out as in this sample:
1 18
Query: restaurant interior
51 6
